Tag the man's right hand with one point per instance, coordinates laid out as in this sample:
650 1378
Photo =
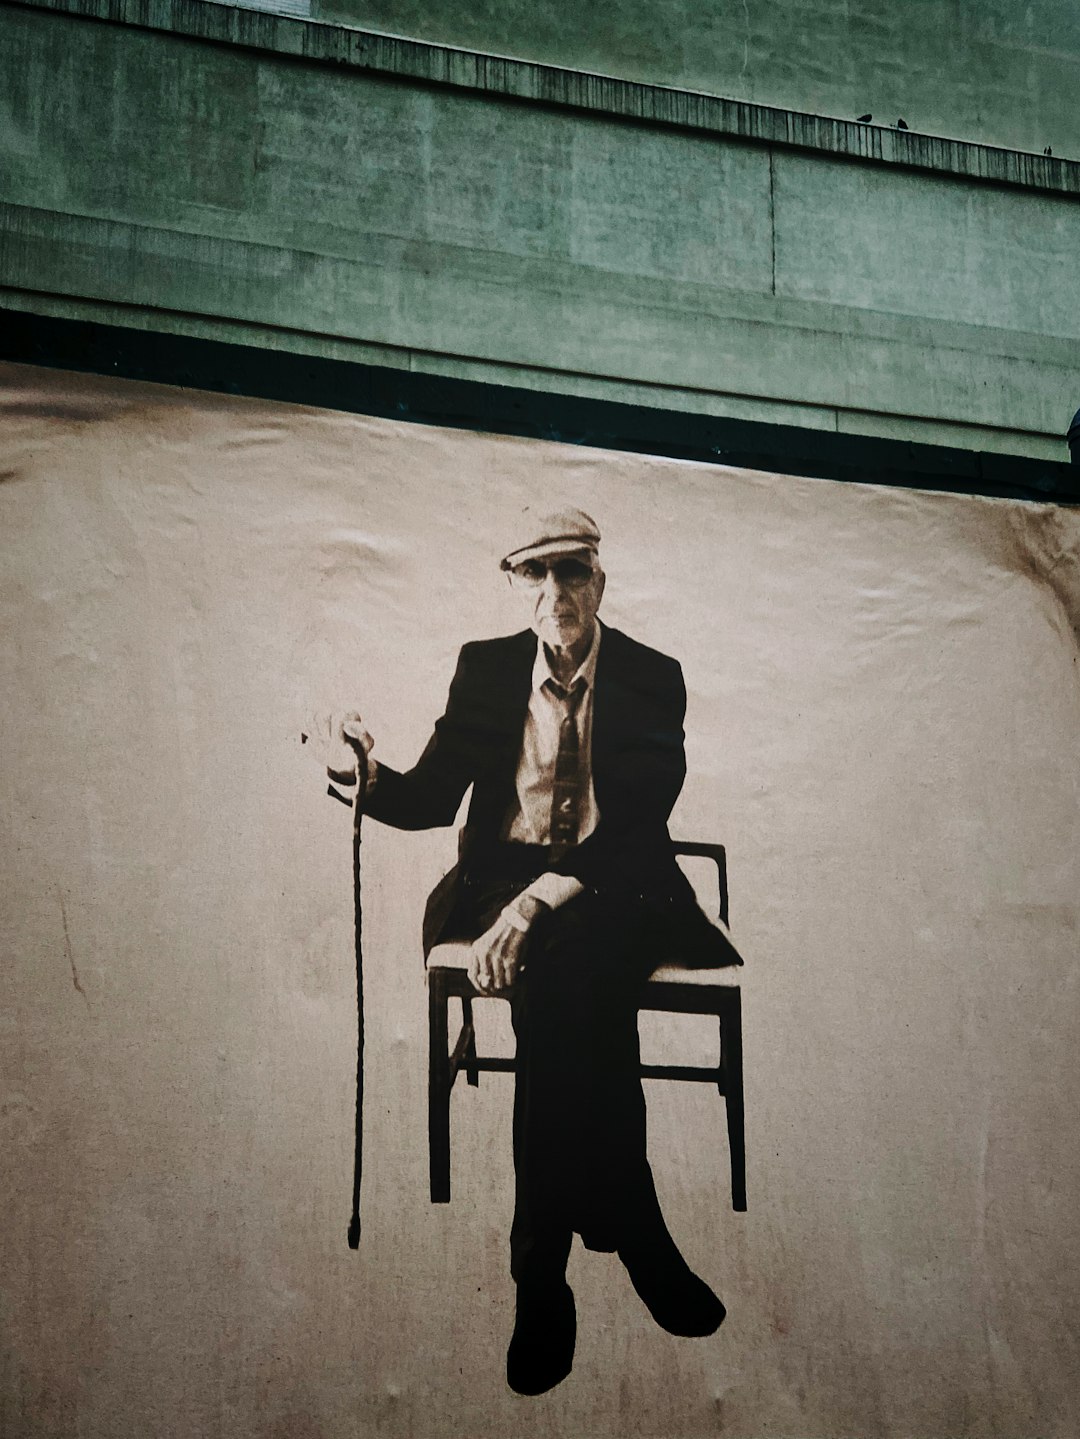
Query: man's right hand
347 739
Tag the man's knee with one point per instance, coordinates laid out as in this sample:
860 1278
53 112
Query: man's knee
577 979
586 942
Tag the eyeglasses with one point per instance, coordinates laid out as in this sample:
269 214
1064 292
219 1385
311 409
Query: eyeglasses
569 573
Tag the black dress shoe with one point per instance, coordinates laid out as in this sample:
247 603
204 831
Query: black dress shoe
541 1352
676 1298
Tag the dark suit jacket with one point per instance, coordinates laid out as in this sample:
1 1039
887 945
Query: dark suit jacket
638 768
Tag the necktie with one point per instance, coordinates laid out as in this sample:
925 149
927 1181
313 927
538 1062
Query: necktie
566 788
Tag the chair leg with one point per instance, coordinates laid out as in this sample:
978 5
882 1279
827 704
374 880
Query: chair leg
472 1074
731 1066
438 1089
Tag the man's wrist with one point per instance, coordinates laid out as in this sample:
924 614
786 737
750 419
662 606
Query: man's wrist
523 911
553 890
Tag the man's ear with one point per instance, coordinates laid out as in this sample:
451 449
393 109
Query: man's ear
601 581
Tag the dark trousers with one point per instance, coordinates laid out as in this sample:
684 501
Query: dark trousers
579 1112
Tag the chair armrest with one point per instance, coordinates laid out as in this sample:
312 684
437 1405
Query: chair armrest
694 849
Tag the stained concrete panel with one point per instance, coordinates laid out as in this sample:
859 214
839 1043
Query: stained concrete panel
225 144
335 160
675 206
453 300
95 118
350 158
918 245
998 72
1041 29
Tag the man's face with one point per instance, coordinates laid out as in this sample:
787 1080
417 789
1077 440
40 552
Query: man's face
562 595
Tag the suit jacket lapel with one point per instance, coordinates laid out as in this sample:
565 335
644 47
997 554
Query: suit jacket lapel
606 709
514 686
510 688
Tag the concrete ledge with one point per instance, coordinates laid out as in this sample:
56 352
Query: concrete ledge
365 51
715 404
452 301
27 338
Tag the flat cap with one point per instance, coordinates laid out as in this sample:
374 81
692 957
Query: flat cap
540 533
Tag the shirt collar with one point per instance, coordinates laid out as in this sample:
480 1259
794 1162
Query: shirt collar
586 670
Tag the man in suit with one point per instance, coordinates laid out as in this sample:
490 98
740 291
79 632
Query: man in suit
571 736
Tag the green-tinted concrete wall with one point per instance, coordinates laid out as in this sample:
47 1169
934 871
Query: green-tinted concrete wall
254 196
997 71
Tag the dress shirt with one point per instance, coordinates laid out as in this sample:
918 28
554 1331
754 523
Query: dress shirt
530 822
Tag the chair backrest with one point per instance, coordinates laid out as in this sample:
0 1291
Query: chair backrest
694 849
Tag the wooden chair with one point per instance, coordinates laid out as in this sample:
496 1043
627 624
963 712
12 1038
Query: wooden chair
672 988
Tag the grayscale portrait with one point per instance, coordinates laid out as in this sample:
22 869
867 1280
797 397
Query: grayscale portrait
566 896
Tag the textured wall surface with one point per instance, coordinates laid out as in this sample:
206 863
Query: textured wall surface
204 187
882 727
986 70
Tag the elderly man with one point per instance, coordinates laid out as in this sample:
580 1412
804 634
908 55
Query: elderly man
571 736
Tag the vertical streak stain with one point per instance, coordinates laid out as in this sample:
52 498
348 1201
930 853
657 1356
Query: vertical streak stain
746 39
772 224
68 950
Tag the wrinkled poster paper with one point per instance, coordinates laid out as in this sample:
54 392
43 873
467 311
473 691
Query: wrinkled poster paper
882 729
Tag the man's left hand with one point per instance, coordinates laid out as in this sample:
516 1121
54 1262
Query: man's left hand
496 957
497 954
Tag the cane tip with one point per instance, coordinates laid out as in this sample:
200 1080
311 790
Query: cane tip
354 1232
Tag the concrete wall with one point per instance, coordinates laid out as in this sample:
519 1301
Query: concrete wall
219 190
987 70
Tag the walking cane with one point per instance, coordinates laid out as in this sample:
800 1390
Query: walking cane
358 930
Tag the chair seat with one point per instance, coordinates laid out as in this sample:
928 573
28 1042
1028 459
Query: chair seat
673 988
457 953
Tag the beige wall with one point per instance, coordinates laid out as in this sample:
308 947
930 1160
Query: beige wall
882 727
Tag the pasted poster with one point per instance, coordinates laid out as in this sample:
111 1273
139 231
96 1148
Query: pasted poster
867 697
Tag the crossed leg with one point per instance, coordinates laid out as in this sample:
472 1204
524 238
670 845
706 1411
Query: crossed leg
580 1136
